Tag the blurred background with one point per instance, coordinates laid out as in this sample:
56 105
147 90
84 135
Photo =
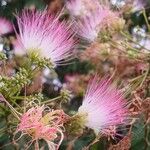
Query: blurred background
76 75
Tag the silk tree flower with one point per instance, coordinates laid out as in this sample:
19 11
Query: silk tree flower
81 7
43 34
89 26
41 123
104 107
5 26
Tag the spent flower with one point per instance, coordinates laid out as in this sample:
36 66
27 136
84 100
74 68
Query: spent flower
40 122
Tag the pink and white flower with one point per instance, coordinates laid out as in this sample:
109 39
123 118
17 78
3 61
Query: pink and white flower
42 33
89 26
103 106
5 26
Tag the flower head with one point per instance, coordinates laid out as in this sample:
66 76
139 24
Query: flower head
40 123
45 35
103 106
5 26
81 7
89 26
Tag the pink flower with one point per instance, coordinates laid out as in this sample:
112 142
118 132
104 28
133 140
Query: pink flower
41 123
81 7
104 107
45 35
90 25
5 26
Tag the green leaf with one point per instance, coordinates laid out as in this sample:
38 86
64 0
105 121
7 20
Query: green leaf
138 136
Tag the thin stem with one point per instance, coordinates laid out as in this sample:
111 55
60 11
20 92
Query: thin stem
130 38
125 45
146 74
14 112
16 104
128 46
92 143
2 130
136 78
146 20
4 108
51 100
37 145
18 97
4 67
24 101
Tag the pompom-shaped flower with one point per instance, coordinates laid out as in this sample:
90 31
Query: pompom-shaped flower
103 106
5 26
41 123
43 34
90 25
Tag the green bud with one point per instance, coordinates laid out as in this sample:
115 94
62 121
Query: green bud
66 95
